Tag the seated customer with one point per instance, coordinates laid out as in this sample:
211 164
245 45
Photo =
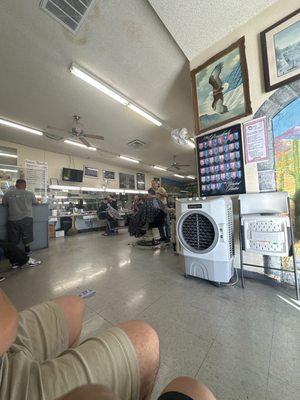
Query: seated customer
42 360
17 257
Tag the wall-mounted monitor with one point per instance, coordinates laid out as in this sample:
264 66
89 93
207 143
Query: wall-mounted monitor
72 175
90 172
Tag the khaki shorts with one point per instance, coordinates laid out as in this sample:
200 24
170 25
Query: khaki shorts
39 365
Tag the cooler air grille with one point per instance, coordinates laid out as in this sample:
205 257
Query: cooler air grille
198 232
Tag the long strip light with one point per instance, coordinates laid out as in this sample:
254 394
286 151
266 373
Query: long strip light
96 83
79 145
191 177
91 189
8 155
19 126
179 176
159 168
111 92
144 114
62 187
129 159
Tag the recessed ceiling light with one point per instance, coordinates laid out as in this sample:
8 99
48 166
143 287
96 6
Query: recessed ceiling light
8 155
129 159
160 168
179 176
79 145
191 177
19 126
144 114
96 83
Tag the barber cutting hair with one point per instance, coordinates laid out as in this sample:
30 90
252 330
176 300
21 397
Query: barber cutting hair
20 222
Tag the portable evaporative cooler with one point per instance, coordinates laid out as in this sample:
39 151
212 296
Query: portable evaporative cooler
205 237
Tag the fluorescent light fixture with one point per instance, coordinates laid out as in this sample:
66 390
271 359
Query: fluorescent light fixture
8 155
19 126
96 83
80 145
61 197
91 189
191 143
179 176
144 114
62 187
9 170
159 168
191 177
129 159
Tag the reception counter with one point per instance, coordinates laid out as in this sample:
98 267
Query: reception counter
40 225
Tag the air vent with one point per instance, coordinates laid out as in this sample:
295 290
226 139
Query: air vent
136 144
69 13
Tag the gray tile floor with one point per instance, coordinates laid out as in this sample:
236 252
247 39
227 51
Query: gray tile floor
244 344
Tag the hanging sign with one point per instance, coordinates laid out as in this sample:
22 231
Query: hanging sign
256 140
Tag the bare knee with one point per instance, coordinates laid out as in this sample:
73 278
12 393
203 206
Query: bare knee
146 343
91 392
190 387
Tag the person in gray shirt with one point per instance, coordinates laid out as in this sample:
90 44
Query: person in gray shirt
20 222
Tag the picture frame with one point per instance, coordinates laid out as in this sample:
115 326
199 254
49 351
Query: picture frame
126 181
280 45
220 88
140 181
220 162
90 172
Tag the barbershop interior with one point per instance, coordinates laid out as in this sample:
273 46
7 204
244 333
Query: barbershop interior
149 199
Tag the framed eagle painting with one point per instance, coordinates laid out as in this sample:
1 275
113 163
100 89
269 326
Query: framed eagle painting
221 88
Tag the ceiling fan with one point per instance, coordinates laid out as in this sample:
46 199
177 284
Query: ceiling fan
176 165
76 132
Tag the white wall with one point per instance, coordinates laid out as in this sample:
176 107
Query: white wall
56 162
251 31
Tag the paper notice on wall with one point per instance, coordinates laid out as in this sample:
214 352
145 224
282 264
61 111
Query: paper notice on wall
36 175
267 181
256 140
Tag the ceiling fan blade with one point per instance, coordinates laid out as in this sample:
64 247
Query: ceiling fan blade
88 135
84 141
53 137
57 129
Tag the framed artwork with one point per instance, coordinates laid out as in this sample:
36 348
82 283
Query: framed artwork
108 175
221 88
126 181
280 45
140 181
220 162
90 172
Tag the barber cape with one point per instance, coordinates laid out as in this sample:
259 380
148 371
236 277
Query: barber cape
151 212
113 212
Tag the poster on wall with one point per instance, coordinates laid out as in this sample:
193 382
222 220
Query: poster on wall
220 162
126 181
140 181
36 176
221 88
280 45
255 137
90 172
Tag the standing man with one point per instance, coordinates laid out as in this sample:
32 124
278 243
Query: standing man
20 222
162 195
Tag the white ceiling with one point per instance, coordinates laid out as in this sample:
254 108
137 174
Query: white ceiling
122 42
198 24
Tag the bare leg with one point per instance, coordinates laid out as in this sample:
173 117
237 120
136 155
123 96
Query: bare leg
73 308
90 392
146 344
190 387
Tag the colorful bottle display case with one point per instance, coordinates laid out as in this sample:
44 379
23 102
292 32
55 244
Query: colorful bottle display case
220 162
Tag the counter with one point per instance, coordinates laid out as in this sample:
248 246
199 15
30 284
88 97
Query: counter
40 225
